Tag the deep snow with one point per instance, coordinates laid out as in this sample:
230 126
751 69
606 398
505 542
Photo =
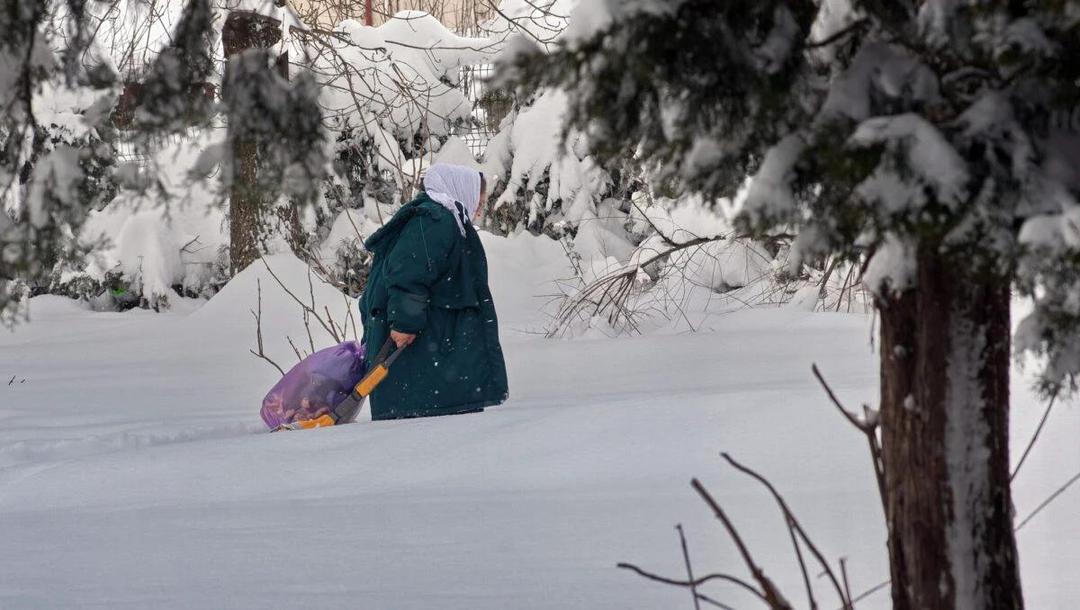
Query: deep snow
135 472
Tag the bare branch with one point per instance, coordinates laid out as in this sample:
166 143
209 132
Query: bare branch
825 279
1046 502
769 594
668 240
848 283
694 583
713 602
307 327
1035 436
852 418
296 351
843 572
839 34
524 30
257 314
802 565
194 240
868 425
609 294
309 310
867 593
794 522
689 568
339 333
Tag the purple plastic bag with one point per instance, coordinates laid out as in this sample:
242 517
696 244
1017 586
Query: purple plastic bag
315 386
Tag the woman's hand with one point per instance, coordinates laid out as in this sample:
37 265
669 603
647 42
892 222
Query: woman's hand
402 339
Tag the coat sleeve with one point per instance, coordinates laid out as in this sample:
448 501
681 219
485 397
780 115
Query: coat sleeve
416 262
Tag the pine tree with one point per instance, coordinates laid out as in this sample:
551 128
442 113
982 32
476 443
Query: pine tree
936 141
44 185
50 182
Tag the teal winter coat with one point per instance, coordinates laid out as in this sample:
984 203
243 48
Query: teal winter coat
427 279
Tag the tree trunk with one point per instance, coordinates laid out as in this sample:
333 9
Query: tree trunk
245 207
945 439
246 30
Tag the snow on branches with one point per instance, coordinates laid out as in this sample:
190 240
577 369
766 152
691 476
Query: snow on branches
110 104
44 179
940 125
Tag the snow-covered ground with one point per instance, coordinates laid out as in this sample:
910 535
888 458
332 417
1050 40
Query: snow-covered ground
135 472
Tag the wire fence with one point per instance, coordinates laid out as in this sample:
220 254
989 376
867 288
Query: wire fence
132 147
489 107
126 150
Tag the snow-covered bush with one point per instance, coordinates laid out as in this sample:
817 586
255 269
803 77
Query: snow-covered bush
150 244
60 81
392 99
53 165
540 181
391 92
389 96
690 266
59 112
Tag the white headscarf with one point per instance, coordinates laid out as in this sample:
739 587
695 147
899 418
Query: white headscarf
453 184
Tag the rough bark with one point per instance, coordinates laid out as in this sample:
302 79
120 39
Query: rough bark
944 407
246 207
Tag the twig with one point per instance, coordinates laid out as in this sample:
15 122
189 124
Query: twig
1046 502
314 259
695 583
868 426
667 239
350 318
844 287
338 336
307 327
352 223
713 602
311 311
609 293
843 572
838 35
823 291
307 309
872 590
769 594
802 565
689 568
794 522
194 240
1035 437
257 314
295 350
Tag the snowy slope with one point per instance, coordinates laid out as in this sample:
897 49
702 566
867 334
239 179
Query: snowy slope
135 473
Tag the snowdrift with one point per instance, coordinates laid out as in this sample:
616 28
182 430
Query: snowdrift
282 316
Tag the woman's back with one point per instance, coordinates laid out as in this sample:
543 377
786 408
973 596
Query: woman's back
429 280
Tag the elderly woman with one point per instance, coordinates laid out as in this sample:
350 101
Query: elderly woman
428 289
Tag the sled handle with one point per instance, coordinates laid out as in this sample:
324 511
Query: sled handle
381 369
384 356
